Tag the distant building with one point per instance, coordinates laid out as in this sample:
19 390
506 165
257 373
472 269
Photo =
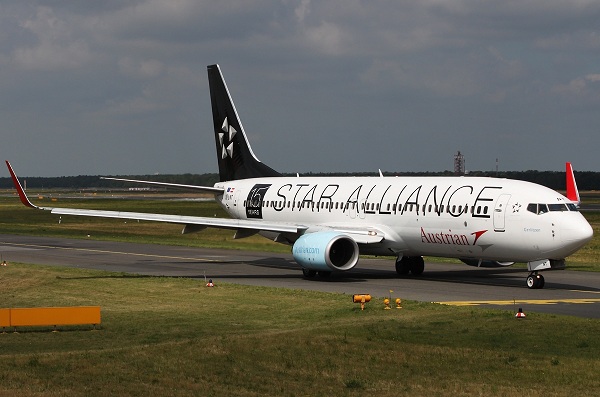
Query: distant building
459 164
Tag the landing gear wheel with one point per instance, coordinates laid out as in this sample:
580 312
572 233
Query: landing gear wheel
324 274
309 273
410 264
535 281
402 266
417 265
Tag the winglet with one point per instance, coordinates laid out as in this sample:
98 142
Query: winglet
19 188
572 192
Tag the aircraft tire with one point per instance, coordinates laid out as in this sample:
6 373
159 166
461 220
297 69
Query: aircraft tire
402 266
308 273
417 265
324 274
535 281
530 282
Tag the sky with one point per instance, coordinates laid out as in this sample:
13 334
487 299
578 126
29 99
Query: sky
119 87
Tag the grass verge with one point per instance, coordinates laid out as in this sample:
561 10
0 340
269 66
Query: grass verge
173 336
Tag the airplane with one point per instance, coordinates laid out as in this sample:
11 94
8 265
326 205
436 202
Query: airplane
330 221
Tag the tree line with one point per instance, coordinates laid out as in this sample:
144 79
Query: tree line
586 180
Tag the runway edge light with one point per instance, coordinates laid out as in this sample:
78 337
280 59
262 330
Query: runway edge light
386 302
398 303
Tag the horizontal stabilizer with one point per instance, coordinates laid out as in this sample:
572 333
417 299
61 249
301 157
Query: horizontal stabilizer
205 189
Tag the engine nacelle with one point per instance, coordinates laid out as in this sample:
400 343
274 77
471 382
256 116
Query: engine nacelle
482 263
326 251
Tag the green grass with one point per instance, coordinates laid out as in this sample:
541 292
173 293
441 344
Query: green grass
173 336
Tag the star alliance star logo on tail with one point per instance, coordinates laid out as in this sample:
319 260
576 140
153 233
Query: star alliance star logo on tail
226 137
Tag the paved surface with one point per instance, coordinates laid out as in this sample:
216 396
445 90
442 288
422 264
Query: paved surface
566 292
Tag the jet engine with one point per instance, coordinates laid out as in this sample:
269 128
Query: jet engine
325 251
482 263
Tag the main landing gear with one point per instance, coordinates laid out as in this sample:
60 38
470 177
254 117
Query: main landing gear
410 264
535 281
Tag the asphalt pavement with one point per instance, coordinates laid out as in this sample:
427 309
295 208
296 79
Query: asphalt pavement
566 292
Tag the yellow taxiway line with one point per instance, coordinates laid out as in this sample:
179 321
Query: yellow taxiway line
520 302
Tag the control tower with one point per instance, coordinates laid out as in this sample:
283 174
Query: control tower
459 163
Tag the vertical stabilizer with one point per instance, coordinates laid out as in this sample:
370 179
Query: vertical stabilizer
234 154
572 191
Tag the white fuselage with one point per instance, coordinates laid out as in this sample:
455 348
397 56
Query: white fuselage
462 217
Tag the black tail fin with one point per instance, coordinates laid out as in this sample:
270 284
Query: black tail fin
235 156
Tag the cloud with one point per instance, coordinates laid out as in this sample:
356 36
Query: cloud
585 87
137 68
326 69
55 47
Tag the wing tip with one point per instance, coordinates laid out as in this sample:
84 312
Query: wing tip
572 191
19 188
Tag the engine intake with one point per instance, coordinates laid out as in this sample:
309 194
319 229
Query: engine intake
326 251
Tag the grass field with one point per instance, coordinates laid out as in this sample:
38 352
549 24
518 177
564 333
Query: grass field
173 336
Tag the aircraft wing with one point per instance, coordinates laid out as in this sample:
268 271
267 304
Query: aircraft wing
196 223
223 223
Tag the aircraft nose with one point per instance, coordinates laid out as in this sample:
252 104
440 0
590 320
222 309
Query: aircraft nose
576 233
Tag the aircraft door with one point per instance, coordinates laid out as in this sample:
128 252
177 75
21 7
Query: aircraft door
500 212
238 203
361 208
352 209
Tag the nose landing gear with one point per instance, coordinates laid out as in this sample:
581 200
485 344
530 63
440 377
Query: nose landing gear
535 281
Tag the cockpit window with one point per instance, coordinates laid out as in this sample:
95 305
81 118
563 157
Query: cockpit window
557 207
543 208
572 207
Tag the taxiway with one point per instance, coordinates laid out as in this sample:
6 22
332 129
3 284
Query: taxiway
566 292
